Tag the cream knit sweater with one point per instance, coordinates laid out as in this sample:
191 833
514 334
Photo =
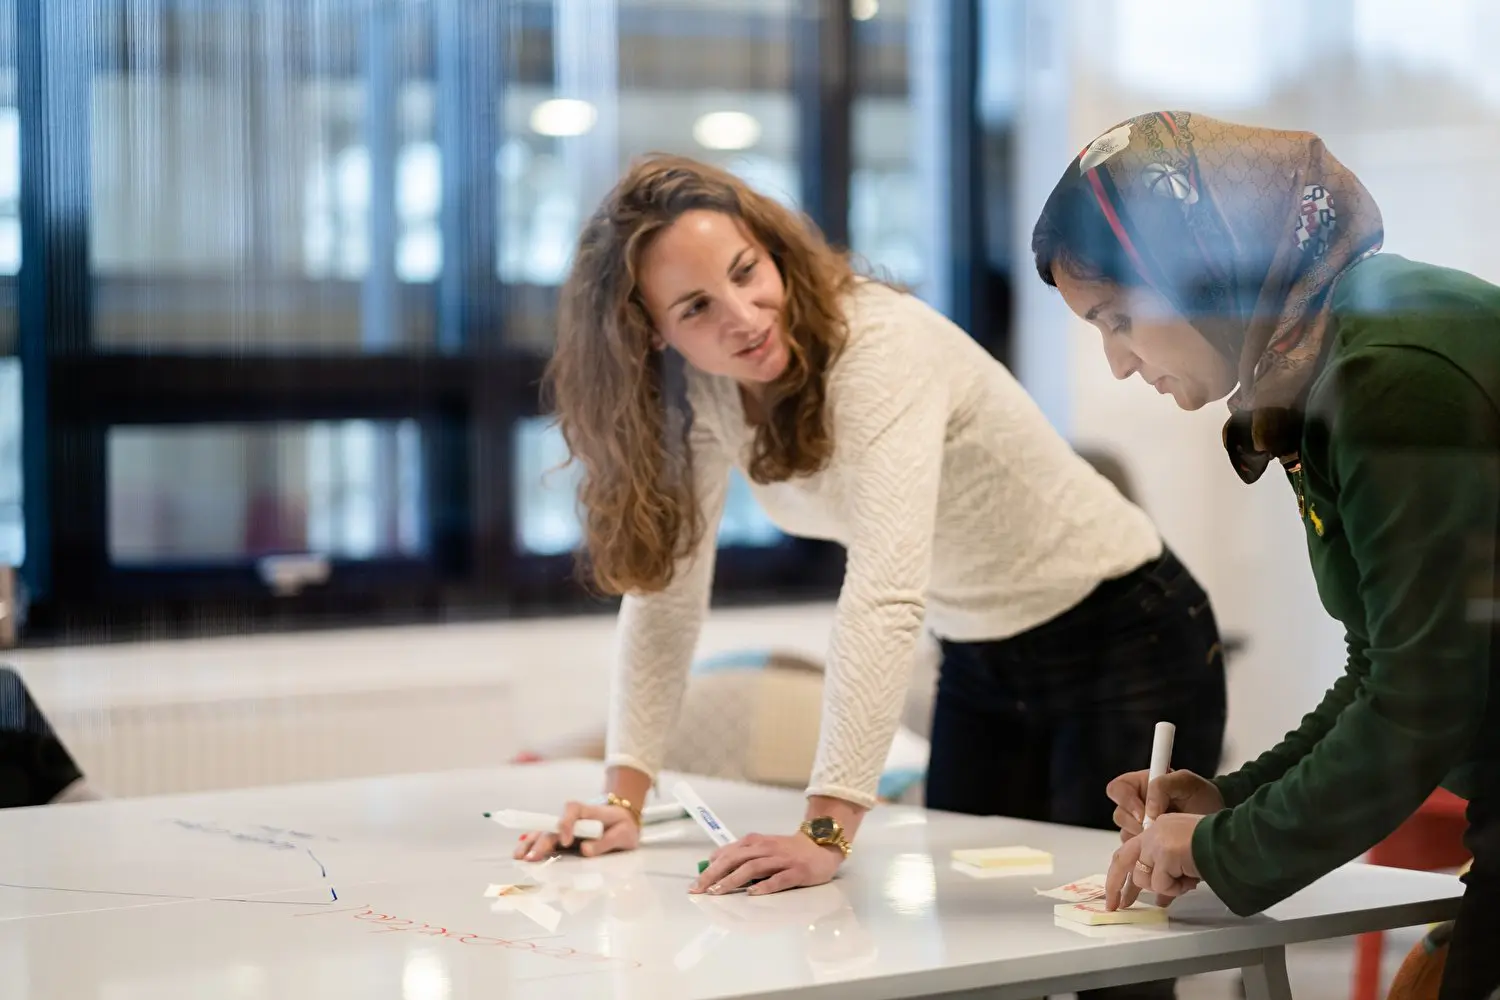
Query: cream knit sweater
960 508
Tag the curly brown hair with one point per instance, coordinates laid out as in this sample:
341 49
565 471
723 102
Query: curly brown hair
622 404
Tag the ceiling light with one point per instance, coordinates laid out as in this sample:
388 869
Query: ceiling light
726 130
864 10
563 116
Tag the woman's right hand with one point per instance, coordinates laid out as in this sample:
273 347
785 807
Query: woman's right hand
621 833
1176 791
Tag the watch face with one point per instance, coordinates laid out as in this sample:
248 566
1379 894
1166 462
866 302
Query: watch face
823 828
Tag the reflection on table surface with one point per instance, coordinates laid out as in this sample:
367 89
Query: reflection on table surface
383 889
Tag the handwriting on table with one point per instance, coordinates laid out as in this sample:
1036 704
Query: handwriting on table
266 836
386 923
269 838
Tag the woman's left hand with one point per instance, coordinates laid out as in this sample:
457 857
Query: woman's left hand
785 862
1160 859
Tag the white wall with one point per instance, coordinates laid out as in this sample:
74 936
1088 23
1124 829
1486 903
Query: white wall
1408 96
160 717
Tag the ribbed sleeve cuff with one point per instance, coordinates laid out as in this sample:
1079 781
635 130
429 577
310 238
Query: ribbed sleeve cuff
863 799
631 761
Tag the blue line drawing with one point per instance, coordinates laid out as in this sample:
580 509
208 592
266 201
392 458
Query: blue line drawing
331 889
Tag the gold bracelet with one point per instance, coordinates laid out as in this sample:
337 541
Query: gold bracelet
612 799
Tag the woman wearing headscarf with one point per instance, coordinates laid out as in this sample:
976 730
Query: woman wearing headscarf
1218 261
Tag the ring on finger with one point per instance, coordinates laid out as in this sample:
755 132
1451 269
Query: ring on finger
1143 868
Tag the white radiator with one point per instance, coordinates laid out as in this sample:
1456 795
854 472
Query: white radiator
165 717
196 746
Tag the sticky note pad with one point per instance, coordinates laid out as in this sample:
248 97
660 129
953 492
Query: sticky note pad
1091 887
994 862
1094 914
1002 857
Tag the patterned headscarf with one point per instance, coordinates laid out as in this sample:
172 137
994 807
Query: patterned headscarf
1245 231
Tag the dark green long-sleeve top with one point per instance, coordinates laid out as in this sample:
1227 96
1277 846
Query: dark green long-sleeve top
1400 487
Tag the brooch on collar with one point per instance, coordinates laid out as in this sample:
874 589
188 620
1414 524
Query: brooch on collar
1293 466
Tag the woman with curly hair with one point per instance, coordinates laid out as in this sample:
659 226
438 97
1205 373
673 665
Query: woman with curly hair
705 326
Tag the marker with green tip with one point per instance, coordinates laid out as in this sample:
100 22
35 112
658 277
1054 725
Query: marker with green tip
703 865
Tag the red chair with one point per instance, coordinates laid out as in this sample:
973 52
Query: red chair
1430 840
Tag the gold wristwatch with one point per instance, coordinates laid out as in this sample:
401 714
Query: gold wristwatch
825 831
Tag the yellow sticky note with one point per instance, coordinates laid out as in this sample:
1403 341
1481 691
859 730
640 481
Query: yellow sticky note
1002 857
989 862
1093 913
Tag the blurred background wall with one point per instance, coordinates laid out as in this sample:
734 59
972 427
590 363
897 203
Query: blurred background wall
277 281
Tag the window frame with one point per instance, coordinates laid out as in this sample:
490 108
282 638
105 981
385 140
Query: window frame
467 390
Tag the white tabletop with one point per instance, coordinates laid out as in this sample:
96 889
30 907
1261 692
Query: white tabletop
232 895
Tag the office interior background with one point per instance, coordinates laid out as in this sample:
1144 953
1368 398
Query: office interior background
277 283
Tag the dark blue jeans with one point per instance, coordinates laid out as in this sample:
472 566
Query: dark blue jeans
1035 726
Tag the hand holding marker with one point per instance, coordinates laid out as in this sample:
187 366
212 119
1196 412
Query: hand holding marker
583 829
516 819
698 809
704 816
1161 763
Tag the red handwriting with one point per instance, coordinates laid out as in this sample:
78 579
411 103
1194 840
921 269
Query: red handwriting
386 923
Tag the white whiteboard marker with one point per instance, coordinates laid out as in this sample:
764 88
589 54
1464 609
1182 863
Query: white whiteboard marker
516 819
698 809
664 812
1161 758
